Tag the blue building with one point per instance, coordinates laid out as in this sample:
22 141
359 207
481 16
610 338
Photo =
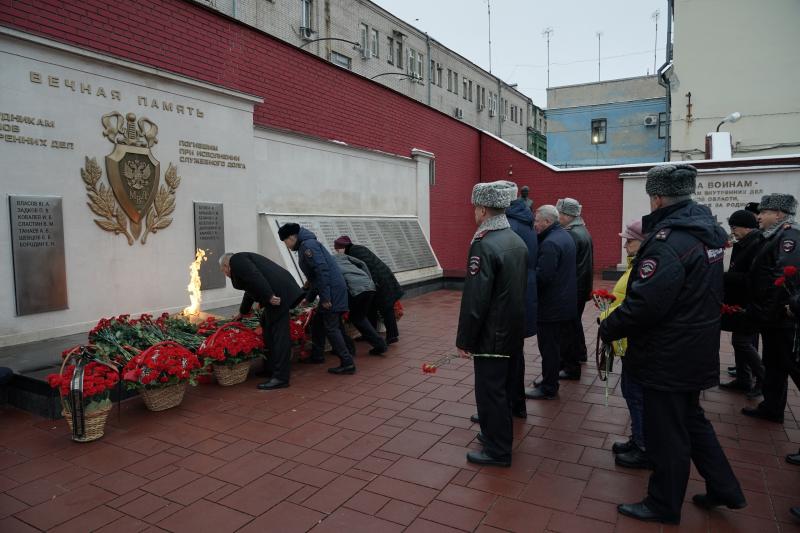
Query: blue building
611 122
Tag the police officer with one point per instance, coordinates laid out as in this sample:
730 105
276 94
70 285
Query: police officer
492 317
781 249
671 317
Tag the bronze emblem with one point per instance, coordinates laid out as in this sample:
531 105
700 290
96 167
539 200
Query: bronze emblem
135 197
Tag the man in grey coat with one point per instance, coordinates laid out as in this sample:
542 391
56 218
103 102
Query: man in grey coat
361 291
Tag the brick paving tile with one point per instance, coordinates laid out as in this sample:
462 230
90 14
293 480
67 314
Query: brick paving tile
466 497
260 495
36 492
367 502
120 482
402 491
10 505
91 521
401 512
194 490
420 525
13 525
409 442
171 482
425 473
246 468
65 507
205 517
554 491
285 517
518 516
144 506
354 522
452 515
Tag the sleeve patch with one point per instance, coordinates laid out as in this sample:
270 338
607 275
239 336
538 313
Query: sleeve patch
474 265
715 255
309 253
647 268
663 234
788 245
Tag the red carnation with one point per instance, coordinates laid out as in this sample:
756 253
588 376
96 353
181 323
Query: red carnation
789 271
780 281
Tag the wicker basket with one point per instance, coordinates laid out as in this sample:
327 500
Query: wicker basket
232 375
94 423
164 397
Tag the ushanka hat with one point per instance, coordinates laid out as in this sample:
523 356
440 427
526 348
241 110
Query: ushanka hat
743 219
671 180
287 230
569 206
495 194
778 202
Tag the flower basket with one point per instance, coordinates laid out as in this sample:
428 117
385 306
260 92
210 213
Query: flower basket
230 349
161 373
163 398
232 375
94 423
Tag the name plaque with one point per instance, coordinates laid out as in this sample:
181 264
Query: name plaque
37 246
398 242
209 235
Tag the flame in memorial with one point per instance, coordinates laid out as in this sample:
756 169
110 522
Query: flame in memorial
194 284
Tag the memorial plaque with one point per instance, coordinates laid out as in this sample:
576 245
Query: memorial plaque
209 234
37 244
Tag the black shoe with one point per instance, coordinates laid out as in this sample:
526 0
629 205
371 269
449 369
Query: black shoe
732 371
273 384
755 412
480 438
572 376
795 512
623 447
521 412
311 361
635 458
475 419
736 384
582 358
380 350
392 340
755 392
793 458
483 458
642 512
537 393
343 369
707 501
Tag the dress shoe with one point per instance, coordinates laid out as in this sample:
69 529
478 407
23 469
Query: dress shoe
642 512
732 371
480 438
483 458
793 458
755 412
634 458
343 369
755 392
708 501
392 340
537 393
475 419
380 350
273 384
795 512
312 360
736 384
572 376
623 447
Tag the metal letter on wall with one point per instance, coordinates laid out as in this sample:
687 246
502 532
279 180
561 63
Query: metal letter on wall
37 244
209 234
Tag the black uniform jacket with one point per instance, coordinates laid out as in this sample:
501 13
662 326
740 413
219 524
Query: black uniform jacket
387 289
584 262
768 301
737 290
671 313
492 317
261 279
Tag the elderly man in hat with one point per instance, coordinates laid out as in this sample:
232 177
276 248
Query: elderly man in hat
781 249
491 323
569 216
671 319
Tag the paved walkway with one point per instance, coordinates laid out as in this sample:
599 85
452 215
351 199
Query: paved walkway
380 451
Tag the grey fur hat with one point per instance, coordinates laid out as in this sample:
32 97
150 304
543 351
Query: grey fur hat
569 206
495 194
779 202
671 180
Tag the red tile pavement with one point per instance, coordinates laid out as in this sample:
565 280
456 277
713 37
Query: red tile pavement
382 450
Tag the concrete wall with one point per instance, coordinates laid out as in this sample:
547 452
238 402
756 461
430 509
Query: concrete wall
736 55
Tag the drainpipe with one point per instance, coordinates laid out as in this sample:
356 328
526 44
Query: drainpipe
665 83
430 70
234 8
499 108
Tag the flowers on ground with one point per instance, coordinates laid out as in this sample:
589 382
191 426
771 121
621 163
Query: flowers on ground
231 344
166 363
98 380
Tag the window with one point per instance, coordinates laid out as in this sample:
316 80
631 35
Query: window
412 60
480 96
399 62
420 62
470 90
373 45
433 72
341 60
363 39
599 131
662 125
439 74
449 80
455 82
305 17
390 48
492 104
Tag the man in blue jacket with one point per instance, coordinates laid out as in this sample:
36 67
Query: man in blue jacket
326 281
556 283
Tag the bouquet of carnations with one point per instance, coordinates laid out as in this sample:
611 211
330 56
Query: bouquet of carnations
161 372
430 368
230 349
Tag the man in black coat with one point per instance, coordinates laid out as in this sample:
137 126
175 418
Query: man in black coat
387 289
276 291
671 317
744 334
491 322
767 308
569 217
556 285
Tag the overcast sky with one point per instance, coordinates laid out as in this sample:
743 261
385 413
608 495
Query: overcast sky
519 51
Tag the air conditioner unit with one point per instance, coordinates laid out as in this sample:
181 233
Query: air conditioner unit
459 113
651 120
491 111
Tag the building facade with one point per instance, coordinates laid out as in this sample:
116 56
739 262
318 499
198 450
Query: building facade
361 36
611 122
756 72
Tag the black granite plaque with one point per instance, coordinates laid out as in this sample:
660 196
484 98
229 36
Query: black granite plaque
37 245
209 234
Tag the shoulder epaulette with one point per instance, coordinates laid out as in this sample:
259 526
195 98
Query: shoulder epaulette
662 234
481 235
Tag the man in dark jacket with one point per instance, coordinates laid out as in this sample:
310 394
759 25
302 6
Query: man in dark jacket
671 317
361 291
387 289
491 323
744 335
781 249
569 216
555 280
326 281
276 291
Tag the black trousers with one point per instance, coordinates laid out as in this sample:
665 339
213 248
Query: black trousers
494 407
748 362
516 381
677 433
359 307
329 325
551 337
275 329
574 351
780 363
387 313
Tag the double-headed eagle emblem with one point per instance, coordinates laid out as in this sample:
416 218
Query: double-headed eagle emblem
135 205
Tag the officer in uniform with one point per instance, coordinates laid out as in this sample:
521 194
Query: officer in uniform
781 248
671 317
492 317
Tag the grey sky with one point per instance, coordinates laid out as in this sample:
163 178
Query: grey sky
519 51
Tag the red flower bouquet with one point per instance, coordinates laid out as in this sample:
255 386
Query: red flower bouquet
231 344
161 373
98 380
398 310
